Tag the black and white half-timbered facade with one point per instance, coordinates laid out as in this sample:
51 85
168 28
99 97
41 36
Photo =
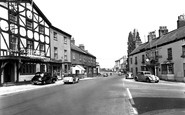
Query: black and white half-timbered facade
24 41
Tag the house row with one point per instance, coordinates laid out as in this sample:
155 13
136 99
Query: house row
29 43
120 64
164 56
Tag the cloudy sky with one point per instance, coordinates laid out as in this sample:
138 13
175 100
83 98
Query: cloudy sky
103 25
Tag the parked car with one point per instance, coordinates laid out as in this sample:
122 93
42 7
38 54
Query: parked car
43 78
105 75
146 76
70 79
129 75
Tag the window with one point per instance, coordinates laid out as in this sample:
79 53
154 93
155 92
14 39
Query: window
65 40
29 47
164 68
29 24
183 51
65 55
143 59
169 53
132 70
73 56
130 60
42 68
136 70
42 49
13 18
13 42
28 69
55 53
136 60
41 29
80 57
55 35
167 68
170 68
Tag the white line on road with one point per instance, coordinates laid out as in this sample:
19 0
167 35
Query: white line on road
130 97
132 102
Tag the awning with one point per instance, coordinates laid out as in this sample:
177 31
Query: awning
78 68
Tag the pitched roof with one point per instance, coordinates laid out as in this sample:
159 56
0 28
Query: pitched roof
170 37
59 30
39 11
76 48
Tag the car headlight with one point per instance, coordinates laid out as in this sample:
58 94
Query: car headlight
156 78
150 77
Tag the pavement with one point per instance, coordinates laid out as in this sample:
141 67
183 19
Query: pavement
26 87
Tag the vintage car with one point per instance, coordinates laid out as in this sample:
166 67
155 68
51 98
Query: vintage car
70 79
43 78
105 75
146 76
129 75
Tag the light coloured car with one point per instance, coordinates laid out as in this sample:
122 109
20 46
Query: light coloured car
146 76
129 75
70 79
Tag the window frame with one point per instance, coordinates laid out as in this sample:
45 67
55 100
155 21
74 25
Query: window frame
55 53
170 55
55 36
29 24
41 29
65 40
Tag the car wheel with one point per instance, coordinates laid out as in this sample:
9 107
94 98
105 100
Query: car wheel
53 80
33 83
148 80
156 81
136 79
43 82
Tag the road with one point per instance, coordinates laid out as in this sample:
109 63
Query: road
163 98
113 95
100 96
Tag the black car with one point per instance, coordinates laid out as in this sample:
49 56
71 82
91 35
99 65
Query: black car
43 78
105 75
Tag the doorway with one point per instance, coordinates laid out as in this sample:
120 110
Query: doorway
9 73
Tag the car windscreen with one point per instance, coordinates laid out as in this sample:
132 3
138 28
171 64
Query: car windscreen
38 73
147 73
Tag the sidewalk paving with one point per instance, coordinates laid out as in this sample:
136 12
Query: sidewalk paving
26 87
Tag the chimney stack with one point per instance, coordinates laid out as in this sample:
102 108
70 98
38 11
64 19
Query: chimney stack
73 41
151 36
138 43
181 21
162 30
81 46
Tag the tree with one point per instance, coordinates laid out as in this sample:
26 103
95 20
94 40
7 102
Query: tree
133 37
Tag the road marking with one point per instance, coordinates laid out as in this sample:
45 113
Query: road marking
130 97
133 109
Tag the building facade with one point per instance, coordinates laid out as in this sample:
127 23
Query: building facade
81 57
60 51
29 43
24 41
120 64
164 55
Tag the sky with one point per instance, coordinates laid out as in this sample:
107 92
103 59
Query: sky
103 25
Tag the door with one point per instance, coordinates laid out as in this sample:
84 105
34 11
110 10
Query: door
9 73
